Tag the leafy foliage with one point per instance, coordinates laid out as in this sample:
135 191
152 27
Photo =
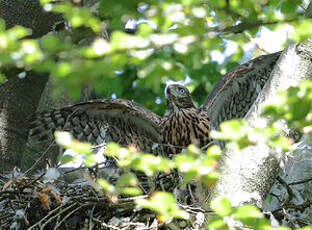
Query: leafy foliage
165 204
177 41
248 215
294 104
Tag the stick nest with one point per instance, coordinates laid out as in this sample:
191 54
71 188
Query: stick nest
36 202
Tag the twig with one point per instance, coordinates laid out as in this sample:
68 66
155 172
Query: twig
58 214
241 27
47 216
207 145
228 10
289 190
69 214
83 167
33 181
91 217
105 225
300 182
304 205
40 158
276 196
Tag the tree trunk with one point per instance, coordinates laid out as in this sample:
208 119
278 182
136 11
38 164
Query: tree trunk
20 97
247 175
291 194
28 13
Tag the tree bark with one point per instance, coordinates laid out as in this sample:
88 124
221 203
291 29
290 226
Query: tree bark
247 175
20 97
29 14
291 193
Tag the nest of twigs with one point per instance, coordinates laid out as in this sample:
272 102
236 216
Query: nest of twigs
40 203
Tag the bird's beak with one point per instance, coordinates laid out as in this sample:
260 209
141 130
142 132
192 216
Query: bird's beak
168 90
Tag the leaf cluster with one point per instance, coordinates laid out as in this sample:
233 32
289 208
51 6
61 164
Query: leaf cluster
175 39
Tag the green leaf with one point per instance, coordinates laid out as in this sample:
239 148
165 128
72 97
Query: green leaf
17 32
289 6
66 140
216 223
193 149
106 185
149 163
112 149
214 151
185 163
236 131
131 191
247 211
282 228
63 69
302 30
164 204
122 41
2 78
305 228
43 2
222 206
32 51
251 216
77 16
231 130
280 141
66 158
127 179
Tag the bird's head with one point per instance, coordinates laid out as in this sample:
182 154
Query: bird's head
178 96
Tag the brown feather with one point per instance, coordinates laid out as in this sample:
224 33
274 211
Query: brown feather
128 123
183 127
98 122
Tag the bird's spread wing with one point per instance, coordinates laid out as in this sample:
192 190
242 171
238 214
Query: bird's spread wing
98 122
236 91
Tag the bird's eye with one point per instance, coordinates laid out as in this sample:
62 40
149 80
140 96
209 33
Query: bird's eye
181 90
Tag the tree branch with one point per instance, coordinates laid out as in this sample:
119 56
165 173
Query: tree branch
241 27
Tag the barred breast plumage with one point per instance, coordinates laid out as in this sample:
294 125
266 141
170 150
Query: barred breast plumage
183 127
